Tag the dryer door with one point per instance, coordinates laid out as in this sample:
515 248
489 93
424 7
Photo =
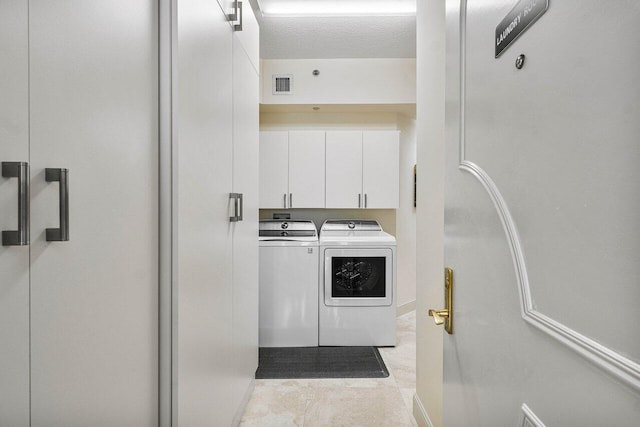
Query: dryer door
358 277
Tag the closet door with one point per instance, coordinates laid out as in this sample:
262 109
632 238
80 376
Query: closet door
246 117
94 298
203 314
14 260
344 169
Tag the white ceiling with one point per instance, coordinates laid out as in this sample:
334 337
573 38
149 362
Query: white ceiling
361 30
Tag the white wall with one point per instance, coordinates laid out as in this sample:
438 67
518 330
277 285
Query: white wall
393 221
430 215
342 81
406 213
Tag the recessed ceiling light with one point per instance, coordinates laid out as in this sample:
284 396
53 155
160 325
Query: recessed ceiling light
337 7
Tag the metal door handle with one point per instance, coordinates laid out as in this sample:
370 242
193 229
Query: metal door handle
236 15
238 27
18 170
240 200
359 200
445 316
290 200
237 207
365 200
285 200
62 177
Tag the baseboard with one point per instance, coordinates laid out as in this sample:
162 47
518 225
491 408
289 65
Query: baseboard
243 406
405 308
420 414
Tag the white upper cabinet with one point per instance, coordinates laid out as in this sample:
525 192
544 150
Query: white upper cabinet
292 169
344 169
362 169
380 169
306 169
274 169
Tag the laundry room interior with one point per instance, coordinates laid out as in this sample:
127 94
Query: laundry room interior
319 213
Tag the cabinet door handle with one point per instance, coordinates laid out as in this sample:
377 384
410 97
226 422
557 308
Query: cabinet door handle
18 170
240 201
365 200
359 200
290 200
62 177
237 206
238 27
284 200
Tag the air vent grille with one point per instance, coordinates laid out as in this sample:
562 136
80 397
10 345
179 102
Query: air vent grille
282 84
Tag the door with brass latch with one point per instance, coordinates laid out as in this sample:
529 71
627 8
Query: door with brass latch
542 204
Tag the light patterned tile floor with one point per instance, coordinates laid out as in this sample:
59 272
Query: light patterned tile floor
343 402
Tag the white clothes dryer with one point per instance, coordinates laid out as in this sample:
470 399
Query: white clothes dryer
357 304
288 284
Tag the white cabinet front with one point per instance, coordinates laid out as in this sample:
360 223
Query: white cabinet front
306 169
362 169
292 169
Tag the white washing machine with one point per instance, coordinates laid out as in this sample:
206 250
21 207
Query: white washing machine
357 304
288 284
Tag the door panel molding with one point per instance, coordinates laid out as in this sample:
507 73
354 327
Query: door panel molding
528 418
602 356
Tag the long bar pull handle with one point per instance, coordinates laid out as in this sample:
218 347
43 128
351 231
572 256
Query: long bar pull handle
236 197
62 177
290 200
365 200
238 27
18 170
240 209
285 200
359 200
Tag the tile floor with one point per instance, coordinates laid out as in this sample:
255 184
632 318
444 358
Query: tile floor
343 402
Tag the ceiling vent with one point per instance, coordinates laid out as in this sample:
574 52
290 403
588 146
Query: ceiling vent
283 84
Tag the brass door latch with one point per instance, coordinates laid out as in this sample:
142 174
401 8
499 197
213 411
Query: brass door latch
445 316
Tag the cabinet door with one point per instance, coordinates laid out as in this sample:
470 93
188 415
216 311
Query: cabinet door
94 298
380 169
344 169
246 117
274 169
306 169
249 38
205 156
14 260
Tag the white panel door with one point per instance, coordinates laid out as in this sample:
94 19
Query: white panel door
344 169
380 168
14 260
94 298
204 138
306 169
274 169
542 208
246 122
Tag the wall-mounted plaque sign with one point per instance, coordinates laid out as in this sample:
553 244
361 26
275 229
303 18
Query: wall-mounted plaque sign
525 13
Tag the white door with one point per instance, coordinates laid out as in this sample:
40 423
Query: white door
204 178
380 169
542 208
94 299
246 118
14 260
344 169
306 169
274 169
